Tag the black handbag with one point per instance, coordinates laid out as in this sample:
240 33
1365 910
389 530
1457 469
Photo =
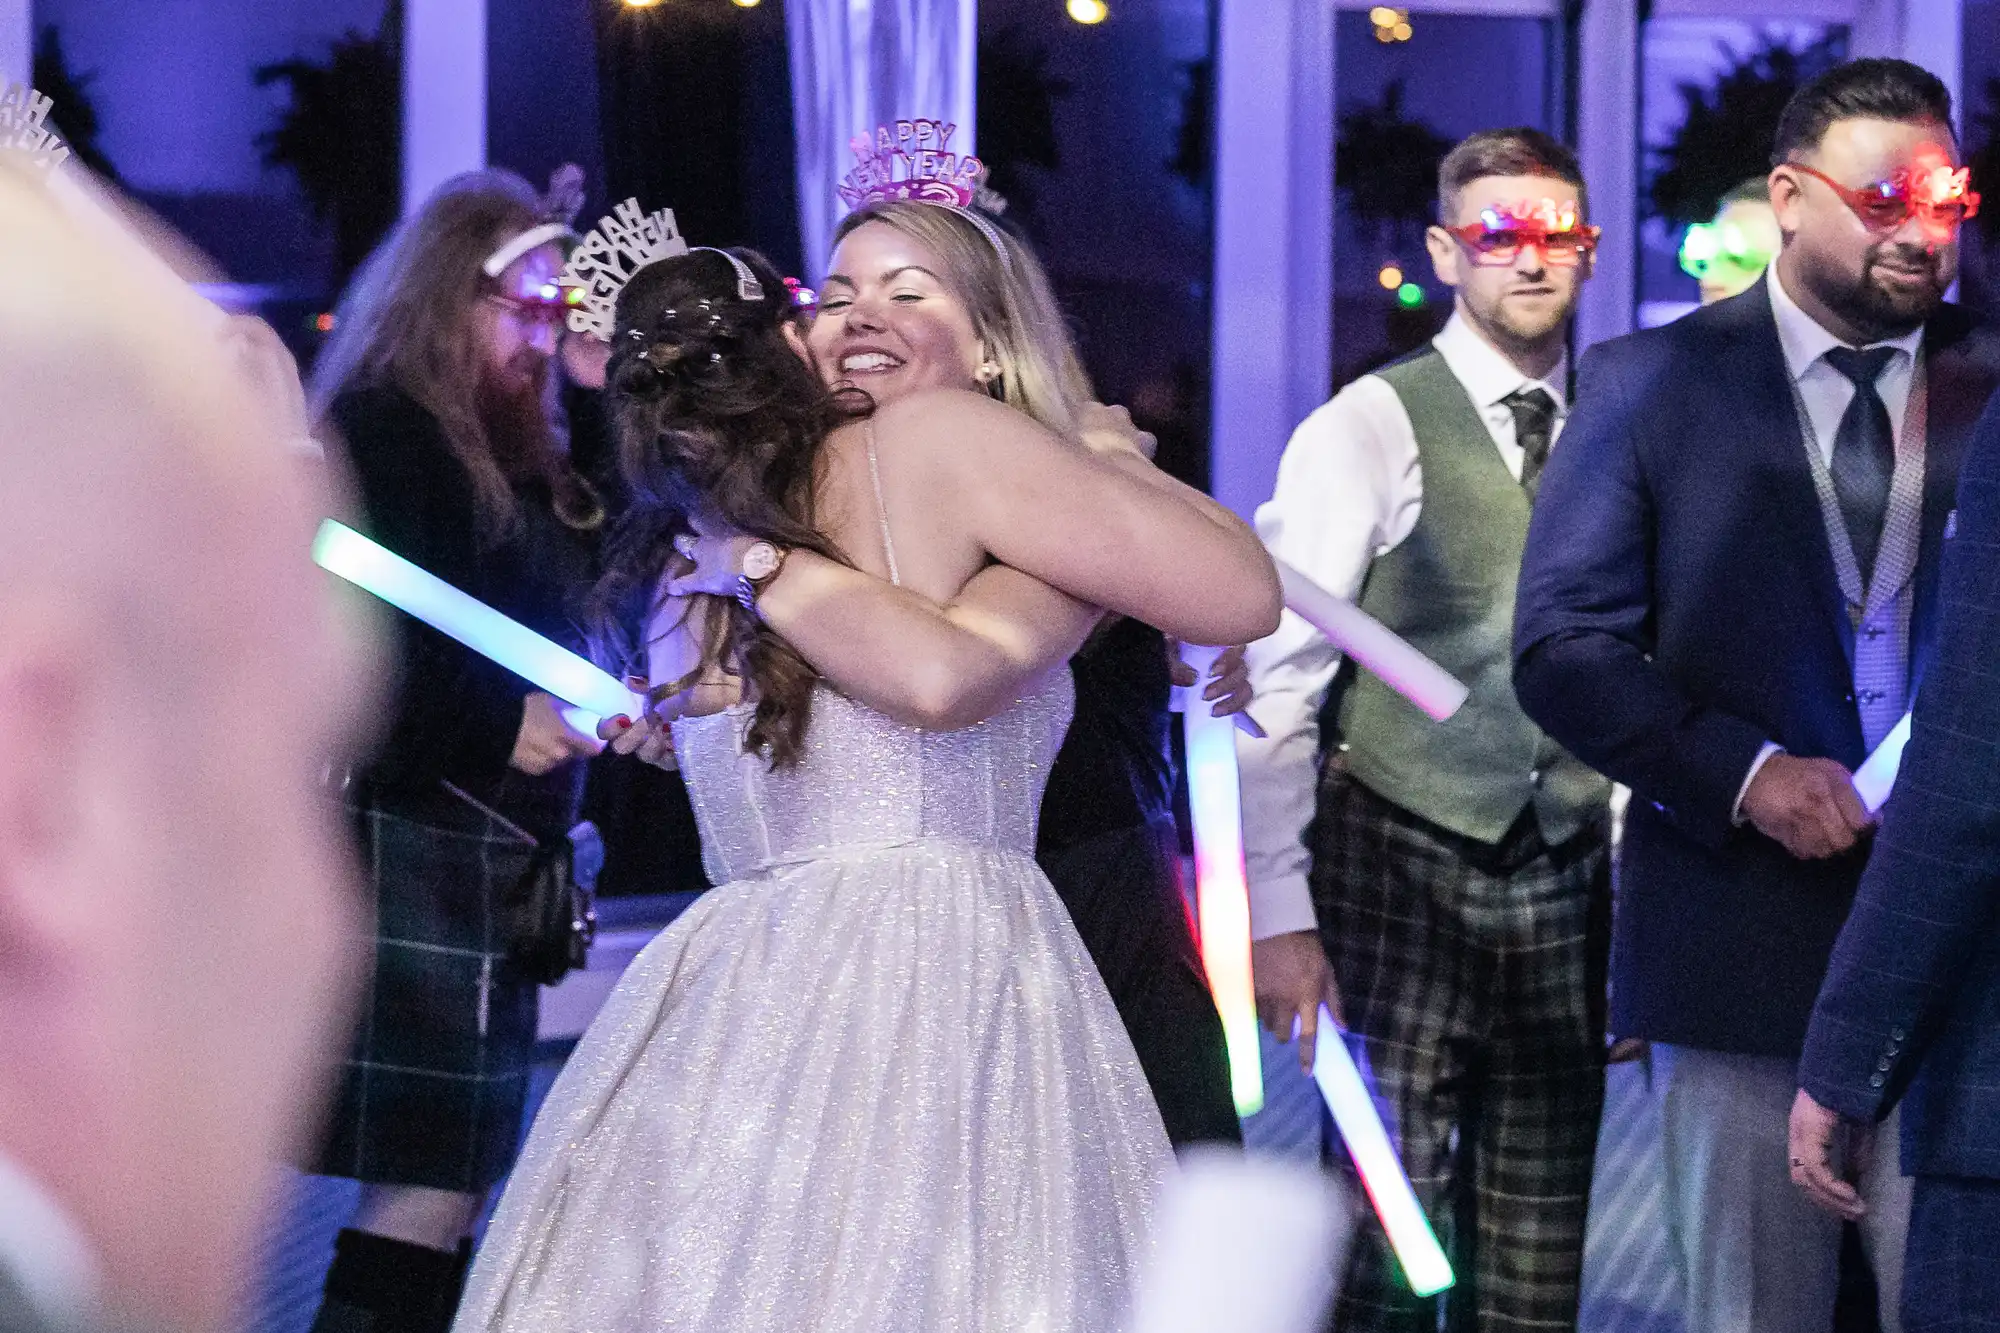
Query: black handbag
550 910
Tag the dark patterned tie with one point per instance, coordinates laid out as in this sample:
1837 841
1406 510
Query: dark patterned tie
1534 425
1864 452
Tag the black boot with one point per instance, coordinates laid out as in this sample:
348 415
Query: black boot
379 1285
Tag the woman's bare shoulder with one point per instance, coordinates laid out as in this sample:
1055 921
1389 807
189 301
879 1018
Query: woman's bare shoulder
952 419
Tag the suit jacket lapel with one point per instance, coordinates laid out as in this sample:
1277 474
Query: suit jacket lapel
1765 413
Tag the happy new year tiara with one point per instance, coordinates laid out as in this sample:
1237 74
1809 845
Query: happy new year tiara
618 248
24 131
912 160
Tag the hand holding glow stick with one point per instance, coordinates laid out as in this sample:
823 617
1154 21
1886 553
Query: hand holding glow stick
1381 1171
1877 774
1222 894
1374 645
341 550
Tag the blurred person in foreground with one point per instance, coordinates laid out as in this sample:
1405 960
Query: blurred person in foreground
174 896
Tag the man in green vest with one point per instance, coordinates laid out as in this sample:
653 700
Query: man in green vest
1446 884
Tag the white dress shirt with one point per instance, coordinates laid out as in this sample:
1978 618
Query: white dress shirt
1824 394
43 1251
1349 489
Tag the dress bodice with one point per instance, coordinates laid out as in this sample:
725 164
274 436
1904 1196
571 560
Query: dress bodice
866 782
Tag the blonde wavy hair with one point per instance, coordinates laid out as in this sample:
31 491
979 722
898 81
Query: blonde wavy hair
1013 308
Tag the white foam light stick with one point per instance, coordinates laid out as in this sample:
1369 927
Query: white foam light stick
1222 894
341 550
1375 1161
1374 646
1877 774
1243 1243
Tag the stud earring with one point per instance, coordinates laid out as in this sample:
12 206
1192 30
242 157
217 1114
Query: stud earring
988 372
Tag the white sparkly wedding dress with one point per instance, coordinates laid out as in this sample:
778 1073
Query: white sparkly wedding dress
871 1083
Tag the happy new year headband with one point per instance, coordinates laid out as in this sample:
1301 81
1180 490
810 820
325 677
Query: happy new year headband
559 207
622 244
24 131
912 160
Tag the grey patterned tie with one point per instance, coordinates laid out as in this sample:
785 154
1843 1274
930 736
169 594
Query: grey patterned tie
1864 452
1534 425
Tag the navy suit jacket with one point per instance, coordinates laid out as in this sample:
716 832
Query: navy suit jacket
1678 608
1912 998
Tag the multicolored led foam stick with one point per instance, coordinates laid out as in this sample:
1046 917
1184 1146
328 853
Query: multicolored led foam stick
1877 774
1222 894
1375 1161
1374 646
341 550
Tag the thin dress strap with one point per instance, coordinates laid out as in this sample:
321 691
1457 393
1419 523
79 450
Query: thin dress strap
881 507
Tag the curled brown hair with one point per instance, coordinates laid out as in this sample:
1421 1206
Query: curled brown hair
715 413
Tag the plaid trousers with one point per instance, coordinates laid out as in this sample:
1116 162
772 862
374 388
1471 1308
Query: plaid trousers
1474 975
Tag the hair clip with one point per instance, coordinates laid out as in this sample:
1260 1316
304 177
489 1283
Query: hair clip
747 286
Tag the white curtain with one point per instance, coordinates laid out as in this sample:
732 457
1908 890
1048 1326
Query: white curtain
857 64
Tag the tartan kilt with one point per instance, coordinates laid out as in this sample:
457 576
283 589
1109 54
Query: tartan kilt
433 1091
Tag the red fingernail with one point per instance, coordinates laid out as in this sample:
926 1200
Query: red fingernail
621 722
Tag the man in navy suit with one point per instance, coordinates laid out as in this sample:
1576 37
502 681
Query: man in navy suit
1910 1011
1727 596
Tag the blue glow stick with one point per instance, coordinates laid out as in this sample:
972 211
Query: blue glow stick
1381 1171
341 550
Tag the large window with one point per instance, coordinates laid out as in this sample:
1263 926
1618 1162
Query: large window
1710 92
1406 90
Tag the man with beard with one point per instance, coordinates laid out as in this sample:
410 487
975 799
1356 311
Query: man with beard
1455 876
1727 600
437 379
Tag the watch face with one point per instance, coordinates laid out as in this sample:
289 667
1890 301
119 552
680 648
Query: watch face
760 561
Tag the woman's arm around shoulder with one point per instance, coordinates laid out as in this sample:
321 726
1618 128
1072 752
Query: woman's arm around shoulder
1107 528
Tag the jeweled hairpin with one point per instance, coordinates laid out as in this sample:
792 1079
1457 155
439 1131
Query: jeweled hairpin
912 160
24 115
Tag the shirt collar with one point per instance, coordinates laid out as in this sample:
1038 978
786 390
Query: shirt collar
44 1251
1487 375
1805 340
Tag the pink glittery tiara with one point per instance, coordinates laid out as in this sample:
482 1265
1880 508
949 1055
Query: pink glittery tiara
911 159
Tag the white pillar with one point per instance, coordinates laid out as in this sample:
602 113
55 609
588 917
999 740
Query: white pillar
17 41
1273 294
857 64
1608 146
444 93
